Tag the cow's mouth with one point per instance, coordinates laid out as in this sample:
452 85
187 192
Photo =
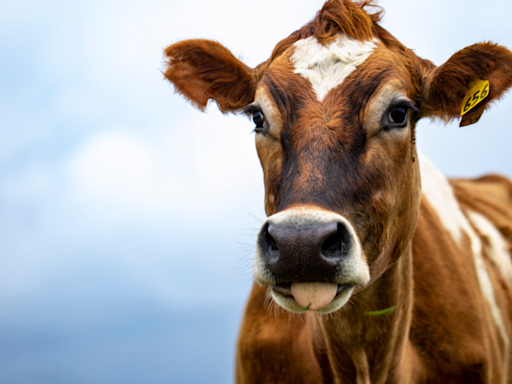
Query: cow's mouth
331 296
285 289
309 243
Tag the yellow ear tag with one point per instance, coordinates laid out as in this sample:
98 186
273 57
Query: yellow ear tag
478 91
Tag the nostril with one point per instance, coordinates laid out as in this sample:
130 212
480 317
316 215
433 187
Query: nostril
332 244
267 240
272 245
337 244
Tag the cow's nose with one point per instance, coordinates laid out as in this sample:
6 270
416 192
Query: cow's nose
311 253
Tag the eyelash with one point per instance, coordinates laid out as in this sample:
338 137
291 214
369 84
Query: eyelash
411 111
250 111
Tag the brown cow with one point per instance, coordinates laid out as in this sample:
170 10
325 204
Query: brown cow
398 274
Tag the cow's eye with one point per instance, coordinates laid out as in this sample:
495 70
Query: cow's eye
398 116
259 120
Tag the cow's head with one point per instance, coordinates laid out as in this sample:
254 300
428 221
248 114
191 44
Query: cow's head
335 110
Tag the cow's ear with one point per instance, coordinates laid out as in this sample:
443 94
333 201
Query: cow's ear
202 69
447 88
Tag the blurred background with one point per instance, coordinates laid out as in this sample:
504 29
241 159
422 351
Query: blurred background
127 218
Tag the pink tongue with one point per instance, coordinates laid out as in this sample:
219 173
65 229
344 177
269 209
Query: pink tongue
314 295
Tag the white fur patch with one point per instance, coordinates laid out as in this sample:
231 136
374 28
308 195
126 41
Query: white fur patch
488 291
327 66
439 194
499 251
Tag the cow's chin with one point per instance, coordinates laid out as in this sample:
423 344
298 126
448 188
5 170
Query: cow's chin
288 303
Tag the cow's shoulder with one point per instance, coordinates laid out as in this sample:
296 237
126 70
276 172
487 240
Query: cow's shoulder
458 298
489 197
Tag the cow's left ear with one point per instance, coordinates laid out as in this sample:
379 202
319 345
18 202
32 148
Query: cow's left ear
448 87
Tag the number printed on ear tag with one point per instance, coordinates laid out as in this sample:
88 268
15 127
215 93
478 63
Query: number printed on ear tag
478 91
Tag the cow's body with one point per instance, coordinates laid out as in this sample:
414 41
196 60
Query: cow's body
460 328
371 267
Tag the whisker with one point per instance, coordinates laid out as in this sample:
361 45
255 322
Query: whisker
255 217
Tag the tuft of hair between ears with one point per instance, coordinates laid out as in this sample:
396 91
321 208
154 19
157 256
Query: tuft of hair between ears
337 17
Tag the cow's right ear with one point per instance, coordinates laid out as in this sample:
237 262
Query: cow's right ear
203 69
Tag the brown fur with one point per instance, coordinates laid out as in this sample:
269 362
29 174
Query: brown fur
335 18
201 70
334 155
449 83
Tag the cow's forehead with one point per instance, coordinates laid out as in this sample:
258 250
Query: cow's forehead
326 66
311 69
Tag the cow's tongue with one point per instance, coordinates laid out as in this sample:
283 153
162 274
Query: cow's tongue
313 296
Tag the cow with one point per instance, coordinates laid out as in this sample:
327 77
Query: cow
372 266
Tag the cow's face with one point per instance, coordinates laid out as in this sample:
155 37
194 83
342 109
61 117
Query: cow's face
335 137
335 110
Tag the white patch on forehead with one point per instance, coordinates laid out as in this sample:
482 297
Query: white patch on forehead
327 66
439 193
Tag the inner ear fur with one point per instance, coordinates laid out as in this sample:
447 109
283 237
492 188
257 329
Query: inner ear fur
447 85
203 69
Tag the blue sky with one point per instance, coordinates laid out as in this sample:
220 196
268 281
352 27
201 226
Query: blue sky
127 217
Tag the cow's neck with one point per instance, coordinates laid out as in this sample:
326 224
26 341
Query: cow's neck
374 347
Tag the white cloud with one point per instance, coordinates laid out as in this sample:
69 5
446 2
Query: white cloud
117 158
191 167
